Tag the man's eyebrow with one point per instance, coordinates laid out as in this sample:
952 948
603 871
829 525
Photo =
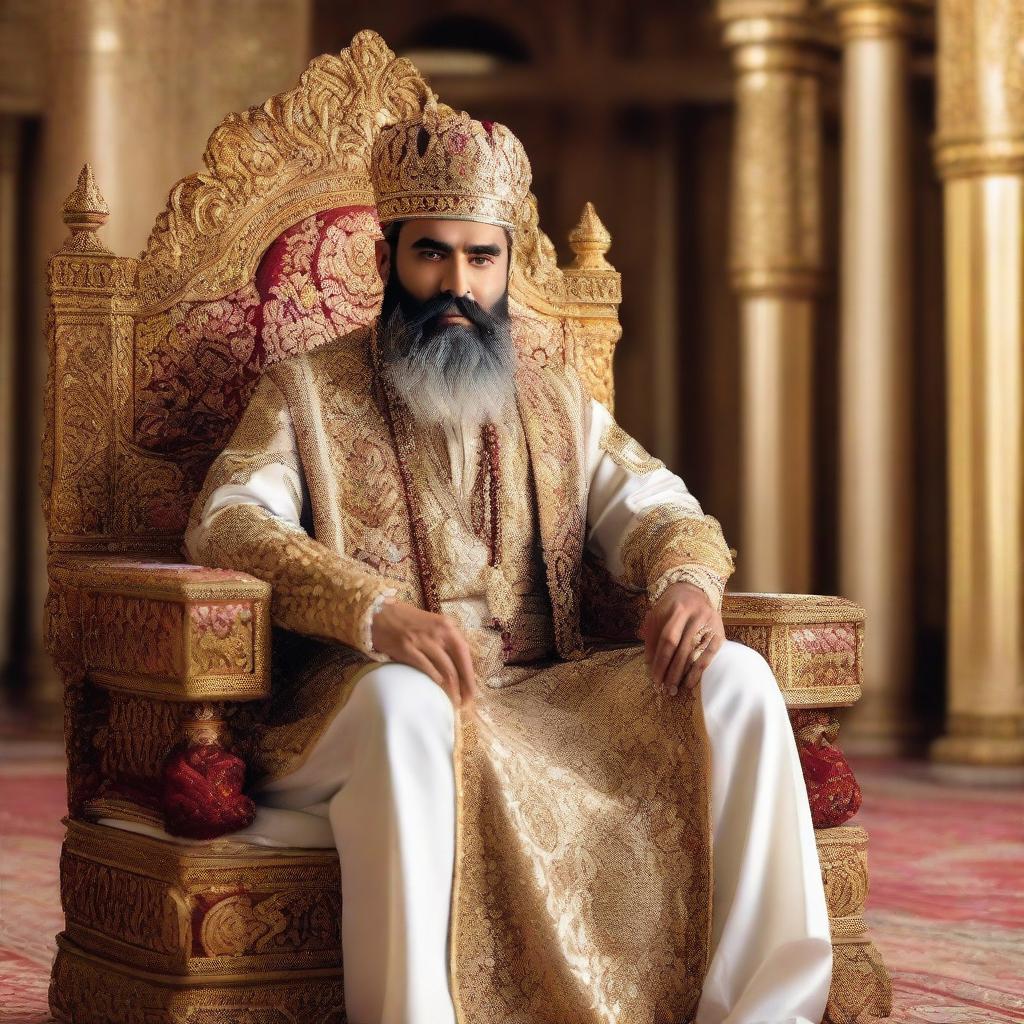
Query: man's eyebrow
474 250
431 243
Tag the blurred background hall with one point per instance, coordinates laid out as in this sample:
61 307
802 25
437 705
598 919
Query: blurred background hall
817 207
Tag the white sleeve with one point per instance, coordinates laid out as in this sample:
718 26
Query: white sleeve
643 522
624 482
276 488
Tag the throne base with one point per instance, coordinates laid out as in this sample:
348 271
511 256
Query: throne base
861 987
87 989
163 933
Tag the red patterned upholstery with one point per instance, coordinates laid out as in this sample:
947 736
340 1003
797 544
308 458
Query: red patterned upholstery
317 280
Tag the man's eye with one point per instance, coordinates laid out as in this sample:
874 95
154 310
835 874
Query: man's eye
479 261
429 254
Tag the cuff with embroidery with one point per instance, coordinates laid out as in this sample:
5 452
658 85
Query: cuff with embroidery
705 579
314 590
668 544
366 627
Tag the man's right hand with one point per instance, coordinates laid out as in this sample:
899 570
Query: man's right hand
429 642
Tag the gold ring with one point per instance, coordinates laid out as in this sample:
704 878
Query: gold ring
700 648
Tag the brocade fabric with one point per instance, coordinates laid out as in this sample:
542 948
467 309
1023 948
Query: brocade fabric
583 852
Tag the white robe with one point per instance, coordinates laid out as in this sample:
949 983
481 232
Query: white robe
379 786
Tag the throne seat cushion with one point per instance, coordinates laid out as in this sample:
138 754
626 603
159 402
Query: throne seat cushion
274 827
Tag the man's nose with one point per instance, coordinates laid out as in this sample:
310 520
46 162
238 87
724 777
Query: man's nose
456 280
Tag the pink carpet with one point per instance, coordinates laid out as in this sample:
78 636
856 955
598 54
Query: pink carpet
946 903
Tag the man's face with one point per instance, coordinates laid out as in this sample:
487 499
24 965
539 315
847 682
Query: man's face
458 257
444 333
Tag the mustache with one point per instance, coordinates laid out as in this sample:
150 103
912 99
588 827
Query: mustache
424 315
411 325
447 371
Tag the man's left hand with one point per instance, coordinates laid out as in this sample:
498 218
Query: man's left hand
682 633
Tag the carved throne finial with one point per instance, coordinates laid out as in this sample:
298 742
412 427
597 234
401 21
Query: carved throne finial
85 212
590 240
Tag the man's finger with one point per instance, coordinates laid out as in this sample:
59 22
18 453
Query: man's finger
650 631
459 651
691 636
415 658
665 645
677 669
444 664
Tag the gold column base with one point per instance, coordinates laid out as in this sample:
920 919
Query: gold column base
980 751
982 740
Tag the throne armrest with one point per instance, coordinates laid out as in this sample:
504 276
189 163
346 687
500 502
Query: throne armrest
814 644
169 631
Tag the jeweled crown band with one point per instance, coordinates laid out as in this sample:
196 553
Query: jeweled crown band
445 164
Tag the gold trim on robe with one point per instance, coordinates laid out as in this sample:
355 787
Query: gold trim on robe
583 879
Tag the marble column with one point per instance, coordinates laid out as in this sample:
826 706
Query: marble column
876 543
665 311
776 273
9 139
135 87
979 152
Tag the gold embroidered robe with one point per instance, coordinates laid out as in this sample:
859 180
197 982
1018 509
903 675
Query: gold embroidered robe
583 864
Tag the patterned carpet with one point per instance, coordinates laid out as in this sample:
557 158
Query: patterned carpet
946 905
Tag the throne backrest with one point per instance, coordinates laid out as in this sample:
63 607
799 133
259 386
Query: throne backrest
266 252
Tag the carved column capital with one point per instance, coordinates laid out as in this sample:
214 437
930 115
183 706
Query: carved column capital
980 88
878 19
772 35
779 55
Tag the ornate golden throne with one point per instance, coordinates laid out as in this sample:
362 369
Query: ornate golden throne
268 251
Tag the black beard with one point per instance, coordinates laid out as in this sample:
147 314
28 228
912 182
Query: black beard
446 372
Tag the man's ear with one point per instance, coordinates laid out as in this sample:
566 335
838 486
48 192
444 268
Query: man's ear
382 254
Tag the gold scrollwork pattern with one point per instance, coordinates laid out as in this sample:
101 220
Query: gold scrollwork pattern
626 451
137 735
255 923
104 274
759 638
842 852
126 906
114 627
824 654
89 991
590 345
251 155
82 377
667 544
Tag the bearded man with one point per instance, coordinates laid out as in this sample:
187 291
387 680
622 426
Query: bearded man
530 830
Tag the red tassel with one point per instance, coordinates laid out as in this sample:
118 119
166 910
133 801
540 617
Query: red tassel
832 789
202 792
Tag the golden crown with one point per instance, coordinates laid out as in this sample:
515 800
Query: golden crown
445 164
